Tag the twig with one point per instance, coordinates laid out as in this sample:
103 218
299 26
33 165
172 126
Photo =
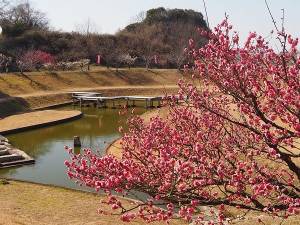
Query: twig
205 9
282 20
273 20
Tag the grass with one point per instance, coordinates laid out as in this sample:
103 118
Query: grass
36 118
35 82
13 106
3 182
32 204
19 93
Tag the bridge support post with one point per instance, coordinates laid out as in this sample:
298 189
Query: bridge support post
77 142
146 104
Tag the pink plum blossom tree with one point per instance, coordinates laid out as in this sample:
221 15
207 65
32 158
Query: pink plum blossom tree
232 141
34 59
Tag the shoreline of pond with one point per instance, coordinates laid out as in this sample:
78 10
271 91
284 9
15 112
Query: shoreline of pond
36 119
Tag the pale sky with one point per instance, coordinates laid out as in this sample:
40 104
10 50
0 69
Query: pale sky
111 15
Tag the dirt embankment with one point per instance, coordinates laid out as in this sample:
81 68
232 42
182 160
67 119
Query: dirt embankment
40 89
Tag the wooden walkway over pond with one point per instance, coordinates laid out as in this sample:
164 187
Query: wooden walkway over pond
86 98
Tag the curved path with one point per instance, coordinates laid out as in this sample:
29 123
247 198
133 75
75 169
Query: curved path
21 122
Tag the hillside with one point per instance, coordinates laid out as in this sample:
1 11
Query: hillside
40 89
165 32
162 33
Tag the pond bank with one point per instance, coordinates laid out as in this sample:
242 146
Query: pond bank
37 119
33 204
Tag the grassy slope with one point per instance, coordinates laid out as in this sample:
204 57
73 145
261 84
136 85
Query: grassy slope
39 89
37 82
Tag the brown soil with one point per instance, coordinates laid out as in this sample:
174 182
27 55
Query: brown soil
35 118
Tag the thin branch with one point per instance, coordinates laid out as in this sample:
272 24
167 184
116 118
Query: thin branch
273 20
205 9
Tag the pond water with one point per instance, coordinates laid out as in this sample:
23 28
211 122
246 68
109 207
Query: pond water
97 129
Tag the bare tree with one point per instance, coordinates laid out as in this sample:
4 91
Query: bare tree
107 49
180 41
88 31
3 8
149 42
26 15
139 17
87 28
5 62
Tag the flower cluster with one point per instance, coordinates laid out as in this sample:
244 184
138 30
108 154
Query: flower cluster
34 59
232 141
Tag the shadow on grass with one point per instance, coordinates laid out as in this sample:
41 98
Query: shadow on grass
33 82
10 85
151 71
56 76
132 78
90 77
12 105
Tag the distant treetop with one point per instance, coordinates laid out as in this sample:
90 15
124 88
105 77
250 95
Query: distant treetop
162 15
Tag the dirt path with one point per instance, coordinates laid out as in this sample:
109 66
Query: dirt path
66 91
32 204
33 119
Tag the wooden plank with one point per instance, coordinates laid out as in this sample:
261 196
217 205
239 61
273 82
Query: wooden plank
83 93
101 98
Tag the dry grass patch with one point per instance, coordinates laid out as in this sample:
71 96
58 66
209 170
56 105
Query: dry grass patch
16 84
37 118
31 204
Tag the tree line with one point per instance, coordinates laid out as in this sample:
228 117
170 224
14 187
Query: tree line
157 38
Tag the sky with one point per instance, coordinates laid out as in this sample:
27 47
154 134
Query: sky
108 16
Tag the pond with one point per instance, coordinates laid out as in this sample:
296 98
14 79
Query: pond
97 129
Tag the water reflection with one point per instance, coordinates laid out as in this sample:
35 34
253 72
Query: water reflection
96 129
